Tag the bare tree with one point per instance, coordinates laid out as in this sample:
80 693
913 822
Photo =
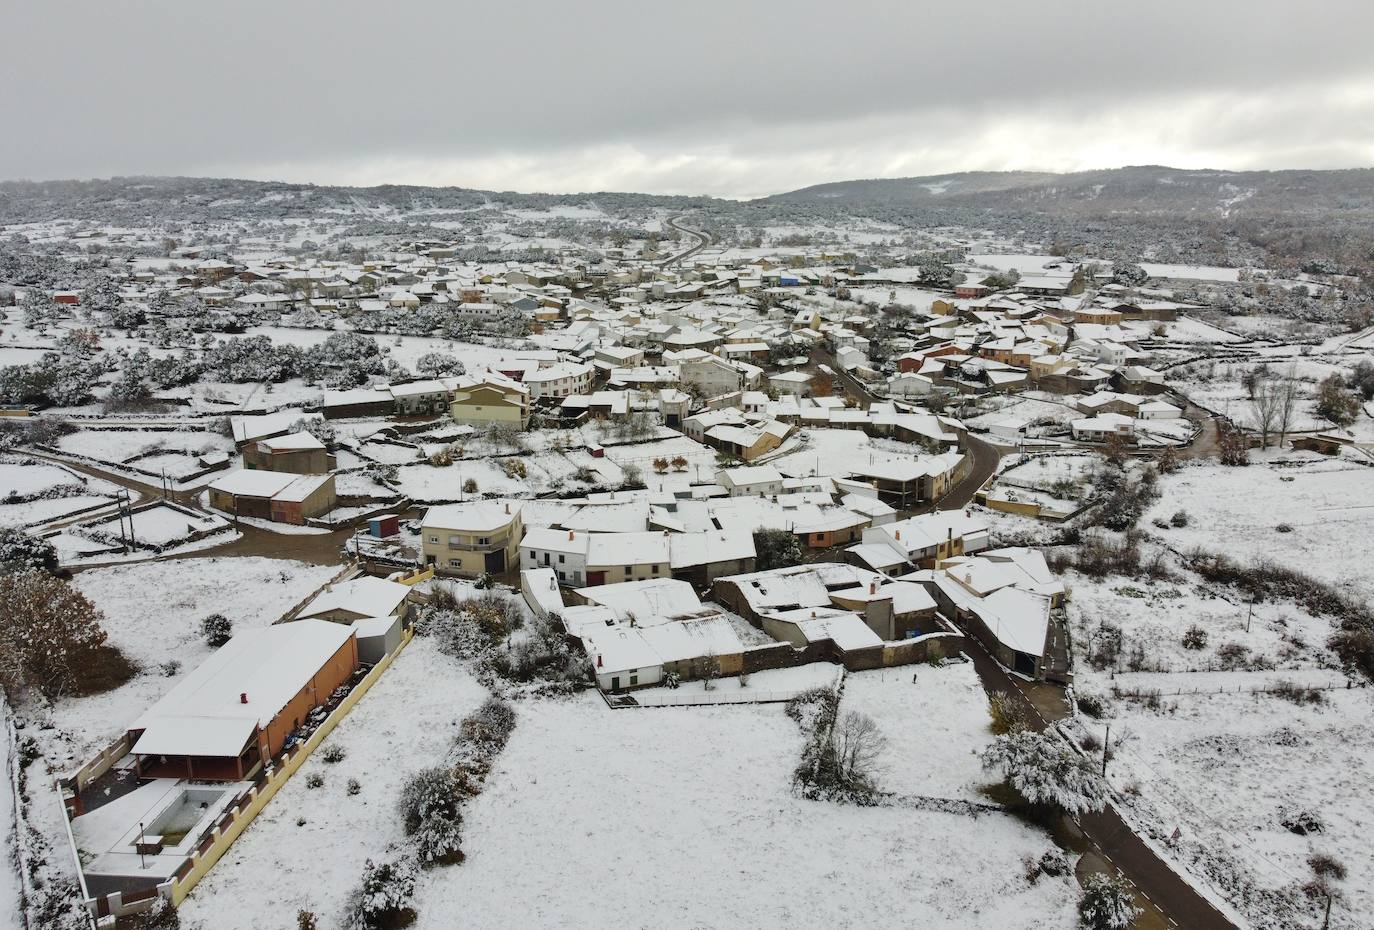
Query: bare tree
1288 404
1265 402
858 745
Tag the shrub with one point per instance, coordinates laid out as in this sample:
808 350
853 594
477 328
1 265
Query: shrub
514 468
19 551
353 787
333 754
1006 712
429 807
1052 863
305 920
1326 866
1298 694
542 655
776 549
1046 772
470 486
1092 704
314 780
1195 638
217 630
839 762
1179 519
1283 528
1106 903
384 894
52 639
1301 821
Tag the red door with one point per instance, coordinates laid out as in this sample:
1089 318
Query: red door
595 578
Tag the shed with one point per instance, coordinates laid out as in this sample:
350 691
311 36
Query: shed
387 524
377 637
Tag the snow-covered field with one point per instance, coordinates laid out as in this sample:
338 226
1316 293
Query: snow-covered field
307 848
683 817
1224 768
1328 504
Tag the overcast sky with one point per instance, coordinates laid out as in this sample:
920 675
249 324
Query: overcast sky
737 98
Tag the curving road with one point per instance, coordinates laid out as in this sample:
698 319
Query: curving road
703 240
1167 897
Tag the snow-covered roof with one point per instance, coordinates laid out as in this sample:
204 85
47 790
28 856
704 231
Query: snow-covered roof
471 516
203 714
366 596
292 442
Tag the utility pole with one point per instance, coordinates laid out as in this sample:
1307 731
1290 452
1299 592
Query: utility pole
1326 921
1106 745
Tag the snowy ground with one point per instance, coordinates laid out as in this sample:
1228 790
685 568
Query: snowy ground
683 817
405 722
1328 503
1222 768
935 721
11 917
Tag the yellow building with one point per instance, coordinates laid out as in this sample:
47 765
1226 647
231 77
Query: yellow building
490 398
472 538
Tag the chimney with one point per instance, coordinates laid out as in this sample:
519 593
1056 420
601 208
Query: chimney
570 534
873 587
897 534
243 697
507 506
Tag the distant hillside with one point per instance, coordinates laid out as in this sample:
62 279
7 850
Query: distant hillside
1281 219
1143 190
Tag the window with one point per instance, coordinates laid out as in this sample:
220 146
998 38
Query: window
434 539
562 558
634 679
484 541
655 569
455 563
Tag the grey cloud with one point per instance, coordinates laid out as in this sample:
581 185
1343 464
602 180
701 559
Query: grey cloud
712 97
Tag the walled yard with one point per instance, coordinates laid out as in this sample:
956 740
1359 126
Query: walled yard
609 792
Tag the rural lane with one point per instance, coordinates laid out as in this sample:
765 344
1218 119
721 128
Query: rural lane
1171 897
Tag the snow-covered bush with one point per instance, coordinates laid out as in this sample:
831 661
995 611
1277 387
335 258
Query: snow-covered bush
21 552
333 754
52 638
435 364
1046 772
1301 821
1195 638
1006 712
541 655
429 806
217 630
384 893
1106 903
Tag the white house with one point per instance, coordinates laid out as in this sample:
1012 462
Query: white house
751 481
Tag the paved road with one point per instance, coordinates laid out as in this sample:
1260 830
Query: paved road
315 548
985 458
1169 900
703 240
